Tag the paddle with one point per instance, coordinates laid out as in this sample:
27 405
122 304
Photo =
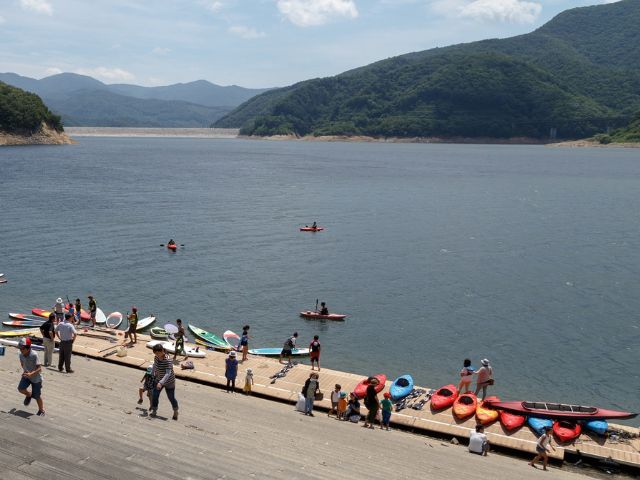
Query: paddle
163 245
316 305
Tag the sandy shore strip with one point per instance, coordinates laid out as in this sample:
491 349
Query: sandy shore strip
94 429
588 143
152 132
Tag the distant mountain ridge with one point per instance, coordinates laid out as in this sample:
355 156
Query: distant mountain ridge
576 75
84 101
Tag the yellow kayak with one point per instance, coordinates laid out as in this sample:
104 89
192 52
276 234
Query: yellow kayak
485 414
19 333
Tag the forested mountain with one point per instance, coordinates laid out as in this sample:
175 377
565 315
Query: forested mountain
573 77
85 101
23 112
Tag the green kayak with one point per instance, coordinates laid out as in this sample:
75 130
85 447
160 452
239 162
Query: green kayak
208 337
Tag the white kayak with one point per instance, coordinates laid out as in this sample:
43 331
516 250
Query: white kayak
14 343
170 347
233 339
145 322
101 318
114 320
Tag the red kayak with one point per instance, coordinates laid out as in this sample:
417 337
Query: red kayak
319 316
444 397
511 421
311 229
84 315
361 388
173 248
560 410
566 431
465 405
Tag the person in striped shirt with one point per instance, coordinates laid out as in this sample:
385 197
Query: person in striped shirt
163 378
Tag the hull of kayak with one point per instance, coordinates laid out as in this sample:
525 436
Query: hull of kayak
25 316
538 425
19 333
274 352
211 346
511 421
444 397
318 316
173 248
101 318
401 387
233 339
23 323
114 320
144 323
485 414
208 337
597 426
170 347
14 343
361 388
561 411
159 333
465 405
566 431
38 312
310 229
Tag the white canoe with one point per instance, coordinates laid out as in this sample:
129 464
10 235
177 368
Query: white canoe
101 318
145 322
114 320
170 347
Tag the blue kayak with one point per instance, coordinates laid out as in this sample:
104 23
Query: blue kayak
538 424
401 387
598 426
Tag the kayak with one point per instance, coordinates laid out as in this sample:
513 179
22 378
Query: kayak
144 323
170 347
25 316
539 424
465 405
444 397
401 387
319 316
114 320
566 431
511 421
173 248
101 318
159 333
361 388
14 343
560 410
209 337
232 339
597 426
19 333
211 346
485 414
311 229
23 323
274 352
38 312
84 315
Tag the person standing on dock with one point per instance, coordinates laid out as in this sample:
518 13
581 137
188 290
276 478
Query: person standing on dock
66 334
243 346
371 402
78 308
231 371
58 309
164 378
133 325
48 332
466 375
485 378
179 336
310 389
31 375
289 346
93 309
314 349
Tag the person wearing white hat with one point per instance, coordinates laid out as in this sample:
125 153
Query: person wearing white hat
31 375
58 309
231 371
485 377
248 382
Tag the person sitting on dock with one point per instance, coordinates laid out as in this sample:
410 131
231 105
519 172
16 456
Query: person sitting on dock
478 442
353 409
323 309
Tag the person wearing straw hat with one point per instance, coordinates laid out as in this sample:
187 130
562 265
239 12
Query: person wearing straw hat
31 375
485 378
231 371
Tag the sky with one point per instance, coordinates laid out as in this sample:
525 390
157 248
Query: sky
252 43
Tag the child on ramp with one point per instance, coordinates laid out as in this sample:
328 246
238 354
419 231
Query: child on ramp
147 385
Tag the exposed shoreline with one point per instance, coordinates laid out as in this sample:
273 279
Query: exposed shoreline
123 132
44 136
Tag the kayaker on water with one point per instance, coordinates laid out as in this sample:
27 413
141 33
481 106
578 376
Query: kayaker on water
171 243
323 309
314 226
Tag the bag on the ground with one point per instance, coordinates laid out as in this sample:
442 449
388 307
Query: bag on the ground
188 365
121 352
300 406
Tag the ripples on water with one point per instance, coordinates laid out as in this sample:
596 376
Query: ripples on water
526 255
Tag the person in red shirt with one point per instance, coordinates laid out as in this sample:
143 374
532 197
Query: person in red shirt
314 348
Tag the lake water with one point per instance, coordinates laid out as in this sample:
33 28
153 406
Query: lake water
526 255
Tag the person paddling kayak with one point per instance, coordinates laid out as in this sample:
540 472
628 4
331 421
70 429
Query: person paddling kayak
171 243
323 309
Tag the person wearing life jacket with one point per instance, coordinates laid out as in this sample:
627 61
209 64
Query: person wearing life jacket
133 325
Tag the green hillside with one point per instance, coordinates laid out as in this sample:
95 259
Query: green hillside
628 134
23 112
575 76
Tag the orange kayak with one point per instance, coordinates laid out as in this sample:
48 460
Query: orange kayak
465 405
485 414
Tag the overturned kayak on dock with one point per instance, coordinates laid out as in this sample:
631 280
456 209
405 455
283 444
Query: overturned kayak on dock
597 426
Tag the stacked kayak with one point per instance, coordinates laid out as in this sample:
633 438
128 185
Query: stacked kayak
401 387
485 414
538 425
361 389
444 397
566 431
170 347
465 405
209 337
318 316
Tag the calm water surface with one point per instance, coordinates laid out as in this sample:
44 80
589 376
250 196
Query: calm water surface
529 256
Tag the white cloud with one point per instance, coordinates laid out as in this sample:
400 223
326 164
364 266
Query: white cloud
247 33
2 20
161 51
52 71
107 74
511 11
37 6
305 13
213 5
